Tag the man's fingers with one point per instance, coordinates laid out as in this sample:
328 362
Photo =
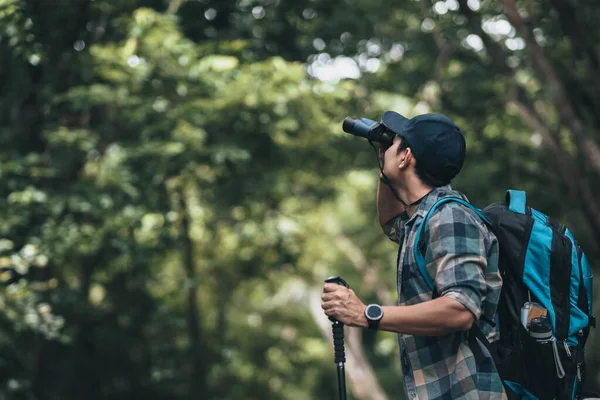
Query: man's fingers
327 305
334 299
331 287
327 297
330 310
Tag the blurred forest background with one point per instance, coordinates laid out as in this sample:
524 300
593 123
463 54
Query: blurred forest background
175 183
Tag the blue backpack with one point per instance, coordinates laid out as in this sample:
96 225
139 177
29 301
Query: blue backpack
539 355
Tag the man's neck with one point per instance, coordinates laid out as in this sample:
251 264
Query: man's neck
412 195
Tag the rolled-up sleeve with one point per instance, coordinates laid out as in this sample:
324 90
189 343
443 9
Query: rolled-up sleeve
456 256
394 229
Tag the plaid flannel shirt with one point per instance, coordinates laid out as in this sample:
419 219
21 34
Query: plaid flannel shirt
462 259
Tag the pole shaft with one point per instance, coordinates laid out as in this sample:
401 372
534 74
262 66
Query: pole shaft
341 381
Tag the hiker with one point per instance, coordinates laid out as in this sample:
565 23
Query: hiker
438 357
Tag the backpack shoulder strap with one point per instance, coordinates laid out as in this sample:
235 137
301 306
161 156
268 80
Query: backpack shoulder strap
419 258
475 334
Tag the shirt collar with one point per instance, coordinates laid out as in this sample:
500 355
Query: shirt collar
432 197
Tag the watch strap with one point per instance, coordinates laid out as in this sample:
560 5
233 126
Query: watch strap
373 325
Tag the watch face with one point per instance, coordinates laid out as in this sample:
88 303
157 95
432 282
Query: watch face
374 312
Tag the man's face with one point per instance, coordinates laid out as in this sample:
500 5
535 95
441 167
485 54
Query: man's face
392 160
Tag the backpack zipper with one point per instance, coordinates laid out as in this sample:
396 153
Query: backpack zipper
567 348
560 371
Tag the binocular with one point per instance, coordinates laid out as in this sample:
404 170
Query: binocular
370 130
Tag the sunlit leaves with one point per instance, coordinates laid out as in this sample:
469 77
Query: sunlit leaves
149 128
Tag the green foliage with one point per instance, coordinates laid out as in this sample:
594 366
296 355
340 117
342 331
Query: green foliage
175 183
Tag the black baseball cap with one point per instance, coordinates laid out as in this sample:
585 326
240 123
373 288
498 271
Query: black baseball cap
436 142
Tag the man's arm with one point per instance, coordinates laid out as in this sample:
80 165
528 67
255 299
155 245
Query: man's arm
431 318
388 207
457 266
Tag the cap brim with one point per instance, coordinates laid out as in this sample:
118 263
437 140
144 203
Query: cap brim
394 121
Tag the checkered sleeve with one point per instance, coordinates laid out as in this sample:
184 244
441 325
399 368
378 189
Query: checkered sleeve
456 255
394 229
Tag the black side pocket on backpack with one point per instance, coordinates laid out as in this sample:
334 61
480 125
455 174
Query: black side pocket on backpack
541 378
570 363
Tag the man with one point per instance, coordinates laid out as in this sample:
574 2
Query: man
461 257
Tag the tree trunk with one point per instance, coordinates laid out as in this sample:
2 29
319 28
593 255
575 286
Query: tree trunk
85 383
197 379
39 366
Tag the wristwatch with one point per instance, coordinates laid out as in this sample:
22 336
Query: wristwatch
374 313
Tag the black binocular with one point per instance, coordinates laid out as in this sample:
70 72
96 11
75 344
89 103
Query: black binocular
370 130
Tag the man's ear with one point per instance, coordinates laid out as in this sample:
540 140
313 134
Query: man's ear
405 158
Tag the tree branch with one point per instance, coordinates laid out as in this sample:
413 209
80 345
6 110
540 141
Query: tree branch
584 92
578 187
569 172
534 121
446 48
494 50
585 144
174 6
571 26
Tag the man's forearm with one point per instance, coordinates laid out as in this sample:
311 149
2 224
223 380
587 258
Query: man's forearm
388 206
431 318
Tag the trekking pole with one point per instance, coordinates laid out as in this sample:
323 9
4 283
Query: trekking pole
338 344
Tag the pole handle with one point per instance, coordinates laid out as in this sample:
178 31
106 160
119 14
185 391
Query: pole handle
338 280
338 327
